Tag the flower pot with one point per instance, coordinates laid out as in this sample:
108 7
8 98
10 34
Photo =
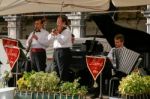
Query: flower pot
44 95
62 96
23 95
33 95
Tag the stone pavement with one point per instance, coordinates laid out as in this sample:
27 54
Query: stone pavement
89 97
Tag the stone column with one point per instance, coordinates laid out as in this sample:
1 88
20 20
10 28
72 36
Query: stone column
77 24
14 26
146 55
147 15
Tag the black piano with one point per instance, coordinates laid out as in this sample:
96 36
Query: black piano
135 40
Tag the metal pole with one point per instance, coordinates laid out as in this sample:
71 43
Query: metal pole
16 73
100 86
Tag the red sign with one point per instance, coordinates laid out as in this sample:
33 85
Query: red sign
13 54
9 42
12 50
95 65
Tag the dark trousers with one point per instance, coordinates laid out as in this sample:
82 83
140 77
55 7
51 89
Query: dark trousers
62 60
38 61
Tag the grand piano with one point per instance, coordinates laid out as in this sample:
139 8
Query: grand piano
135 40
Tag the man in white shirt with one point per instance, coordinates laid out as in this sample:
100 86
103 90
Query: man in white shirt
119 43
37 42
61 38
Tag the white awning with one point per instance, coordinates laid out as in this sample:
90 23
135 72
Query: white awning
31 6
8 7
127 3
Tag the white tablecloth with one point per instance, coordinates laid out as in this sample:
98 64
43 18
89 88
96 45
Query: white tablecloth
7 93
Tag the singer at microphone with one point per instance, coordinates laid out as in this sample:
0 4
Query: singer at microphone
37 43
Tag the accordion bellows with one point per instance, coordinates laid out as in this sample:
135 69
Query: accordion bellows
126 59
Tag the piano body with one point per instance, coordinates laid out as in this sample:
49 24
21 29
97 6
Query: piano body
135 40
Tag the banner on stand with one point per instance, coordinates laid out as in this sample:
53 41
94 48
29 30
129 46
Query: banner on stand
12 50
95 65
13 54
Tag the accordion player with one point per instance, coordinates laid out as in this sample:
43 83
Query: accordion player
125 59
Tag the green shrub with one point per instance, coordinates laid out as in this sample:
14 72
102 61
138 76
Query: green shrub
134 84
49 82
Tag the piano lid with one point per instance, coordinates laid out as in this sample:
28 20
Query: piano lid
136 40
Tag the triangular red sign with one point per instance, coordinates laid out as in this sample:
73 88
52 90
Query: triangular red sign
95 65
12 50
13 54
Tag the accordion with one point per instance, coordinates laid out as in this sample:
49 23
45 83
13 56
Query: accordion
125 59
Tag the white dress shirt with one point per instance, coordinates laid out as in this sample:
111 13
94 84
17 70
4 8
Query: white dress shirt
62 40
112 57
42 41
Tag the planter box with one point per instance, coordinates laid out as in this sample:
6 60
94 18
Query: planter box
43 95
23 96
33 95
61 96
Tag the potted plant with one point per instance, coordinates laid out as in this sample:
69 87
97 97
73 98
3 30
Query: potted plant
4 77
40 85
135 86
72 90
37 84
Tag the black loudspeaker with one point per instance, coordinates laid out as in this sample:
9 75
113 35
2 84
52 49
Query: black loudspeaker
78 60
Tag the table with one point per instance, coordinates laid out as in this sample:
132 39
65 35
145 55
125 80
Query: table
7 93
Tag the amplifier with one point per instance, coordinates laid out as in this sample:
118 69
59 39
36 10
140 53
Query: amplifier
78 61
